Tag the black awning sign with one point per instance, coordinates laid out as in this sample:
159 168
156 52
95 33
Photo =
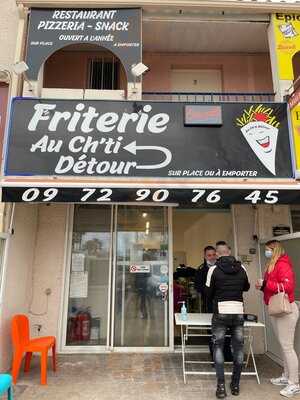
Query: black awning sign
201 197
141 139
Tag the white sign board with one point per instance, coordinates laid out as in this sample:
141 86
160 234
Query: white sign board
78 262
139 268
79 285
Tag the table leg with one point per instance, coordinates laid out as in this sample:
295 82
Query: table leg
253 359
249 336
183 352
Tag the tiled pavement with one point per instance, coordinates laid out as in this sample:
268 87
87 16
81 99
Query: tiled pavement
118 376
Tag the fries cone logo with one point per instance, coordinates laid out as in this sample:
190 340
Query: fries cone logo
260 128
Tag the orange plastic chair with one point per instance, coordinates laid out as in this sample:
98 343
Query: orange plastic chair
23 344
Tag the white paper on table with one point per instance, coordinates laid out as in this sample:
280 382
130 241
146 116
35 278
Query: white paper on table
78 262
79 285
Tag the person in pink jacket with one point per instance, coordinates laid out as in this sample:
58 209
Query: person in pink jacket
279 274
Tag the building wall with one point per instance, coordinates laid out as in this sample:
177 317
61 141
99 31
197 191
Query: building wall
48 267
241 72
269 216
35 262
17 284
8 33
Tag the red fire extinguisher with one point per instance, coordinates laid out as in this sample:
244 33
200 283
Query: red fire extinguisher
83 325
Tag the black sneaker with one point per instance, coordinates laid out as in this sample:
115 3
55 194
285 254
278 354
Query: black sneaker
221 391
235 389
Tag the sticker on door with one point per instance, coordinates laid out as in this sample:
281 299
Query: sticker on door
139 268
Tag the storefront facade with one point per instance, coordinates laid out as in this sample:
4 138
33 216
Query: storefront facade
116 179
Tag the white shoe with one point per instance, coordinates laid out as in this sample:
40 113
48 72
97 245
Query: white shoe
290 390
281 381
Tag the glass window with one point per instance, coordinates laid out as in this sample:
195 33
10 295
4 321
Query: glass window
89 276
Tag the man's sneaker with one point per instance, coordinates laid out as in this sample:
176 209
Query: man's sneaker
221 391
290 390
235 389
281 381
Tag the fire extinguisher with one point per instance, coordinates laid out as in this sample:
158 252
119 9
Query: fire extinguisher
83 325
86 326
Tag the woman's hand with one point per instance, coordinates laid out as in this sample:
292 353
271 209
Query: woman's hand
258 284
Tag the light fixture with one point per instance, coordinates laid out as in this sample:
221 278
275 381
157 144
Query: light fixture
144 215
147 225
20 68
139 69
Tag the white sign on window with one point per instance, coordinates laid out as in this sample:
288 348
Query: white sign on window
79 285
78 262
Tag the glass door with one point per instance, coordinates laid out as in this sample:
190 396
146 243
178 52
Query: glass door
141 277
118 278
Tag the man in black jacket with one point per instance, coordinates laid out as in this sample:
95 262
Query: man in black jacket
225 285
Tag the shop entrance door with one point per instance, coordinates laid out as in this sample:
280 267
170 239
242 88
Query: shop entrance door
141 280
117 291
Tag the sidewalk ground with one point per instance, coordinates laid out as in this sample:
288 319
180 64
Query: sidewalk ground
118 376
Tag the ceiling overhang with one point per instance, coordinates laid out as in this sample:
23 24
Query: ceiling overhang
256 6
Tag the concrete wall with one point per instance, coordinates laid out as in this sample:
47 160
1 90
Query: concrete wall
35 261
8 33
240 72
17 284
48 265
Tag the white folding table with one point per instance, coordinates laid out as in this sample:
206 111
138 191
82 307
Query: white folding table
197 325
